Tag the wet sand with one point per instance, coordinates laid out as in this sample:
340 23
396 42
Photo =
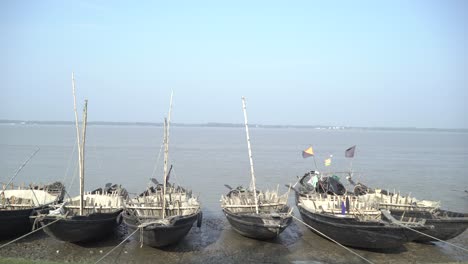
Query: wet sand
216 242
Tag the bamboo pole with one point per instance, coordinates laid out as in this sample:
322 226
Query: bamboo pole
169 124
77 140
250 154
166 153
85 119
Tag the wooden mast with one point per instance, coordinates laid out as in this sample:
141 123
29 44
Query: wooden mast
250 155
166 153
83 141
78 142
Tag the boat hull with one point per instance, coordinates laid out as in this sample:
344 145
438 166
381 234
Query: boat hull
258 226
349 232
16 222
159 236
447 225
81 228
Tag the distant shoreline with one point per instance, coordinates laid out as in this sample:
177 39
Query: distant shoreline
215 124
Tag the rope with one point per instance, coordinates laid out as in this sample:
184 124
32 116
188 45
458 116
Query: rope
23 236
69 163
140 228
175 179
440 240
157 161
32 190
368 261
37 219
72 180
22 166
107 254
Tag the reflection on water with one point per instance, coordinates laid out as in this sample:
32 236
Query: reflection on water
429 165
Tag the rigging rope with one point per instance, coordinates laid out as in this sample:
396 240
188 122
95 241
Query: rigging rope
72 180
35 230
175 177
32 190
107 254
333 240
157 161
69 163
22 166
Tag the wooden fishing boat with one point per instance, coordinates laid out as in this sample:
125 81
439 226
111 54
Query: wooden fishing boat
447 224
89 216
256 214
272 218
444 224
98 220
18 204
164 213
160 229
360 225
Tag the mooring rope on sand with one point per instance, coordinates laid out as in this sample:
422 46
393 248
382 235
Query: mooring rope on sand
107 254
23 236
336 242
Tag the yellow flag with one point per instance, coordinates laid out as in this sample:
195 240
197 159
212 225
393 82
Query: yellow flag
308 152
328 162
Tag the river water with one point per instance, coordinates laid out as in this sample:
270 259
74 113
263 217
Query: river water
428 164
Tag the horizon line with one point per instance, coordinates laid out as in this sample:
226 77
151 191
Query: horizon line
222 124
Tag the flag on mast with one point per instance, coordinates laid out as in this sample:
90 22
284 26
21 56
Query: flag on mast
328 161
349 153
309 152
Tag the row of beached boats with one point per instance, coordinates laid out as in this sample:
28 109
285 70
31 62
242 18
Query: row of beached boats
164 213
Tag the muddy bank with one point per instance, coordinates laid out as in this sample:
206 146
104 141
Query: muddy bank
216 242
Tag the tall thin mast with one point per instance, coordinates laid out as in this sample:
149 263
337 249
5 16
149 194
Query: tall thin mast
77 139
85 119
250 155
166 153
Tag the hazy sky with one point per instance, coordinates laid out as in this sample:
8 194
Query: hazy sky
351 63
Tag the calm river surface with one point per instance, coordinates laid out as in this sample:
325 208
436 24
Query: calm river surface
429 165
